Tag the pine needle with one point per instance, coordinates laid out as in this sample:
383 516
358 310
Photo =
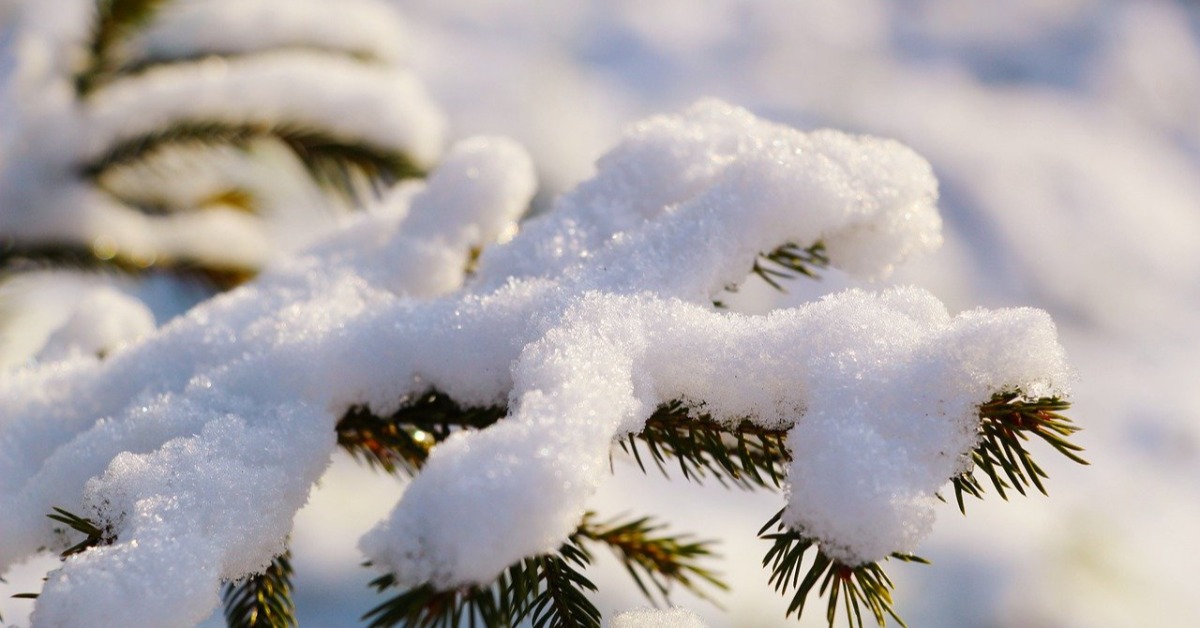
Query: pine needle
263 600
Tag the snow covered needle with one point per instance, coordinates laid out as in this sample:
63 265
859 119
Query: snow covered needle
197 445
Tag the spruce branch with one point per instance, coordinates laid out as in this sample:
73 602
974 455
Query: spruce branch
115 20
790 261
341 164
563 603
262 600
1006 422
426 607
854 585
402 441
94 535
29 257
746 455
549 589
133 67
650 556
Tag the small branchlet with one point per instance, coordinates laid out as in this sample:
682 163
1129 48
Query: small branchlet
549 589
745 455
855 586
115 19
426 607
263 600
341 164
19 258
1005 423
563 601
649 556
94 535
790 261
402 440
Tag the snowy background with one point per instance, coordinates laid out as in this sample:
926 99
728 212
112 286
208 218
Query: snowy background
1066 138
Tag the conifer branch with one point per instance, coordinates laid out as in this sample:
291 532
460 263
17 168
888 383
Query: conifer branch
94 535
855 586
402 441
18 258
115 20
338 163
648 556
1006 422
262 600
790 261
135 67
549 589
563 602
746 455
426 607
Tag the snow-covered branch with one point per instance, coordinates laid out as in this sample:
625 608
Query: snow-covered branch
199 443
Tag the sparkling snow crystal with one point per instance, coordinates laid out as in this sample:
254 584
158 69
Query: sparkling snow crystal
199 443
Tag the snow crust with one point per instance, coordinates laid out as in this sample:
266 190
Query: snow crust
198 443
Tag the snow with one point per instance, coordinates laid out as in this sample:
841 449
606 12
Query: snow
180 440
1064 136
651 618
209 433
1063 133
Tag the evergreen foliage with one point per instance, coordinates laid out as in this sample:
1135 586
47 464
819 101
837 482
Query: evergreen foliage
94 535
552 589
549 589
854 585
263 600
790 261
1005 424
115 19
743 455
352 169
747 455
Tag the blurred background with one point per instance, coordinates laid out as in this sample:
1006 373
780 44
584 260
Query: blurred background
1066 138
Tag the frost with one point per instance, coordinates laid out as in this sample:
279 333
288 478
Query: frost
208 434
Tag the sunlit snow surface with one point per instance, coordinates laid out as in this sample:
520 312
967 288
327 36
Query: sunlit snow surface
199 444
1064 134
1065 137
